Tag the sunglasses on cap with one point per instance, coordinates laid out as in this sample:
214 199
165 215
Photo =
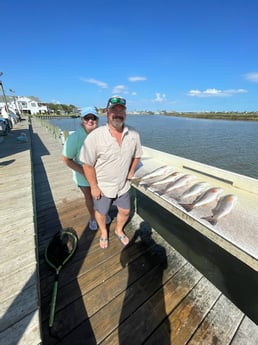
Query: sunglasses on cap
90 117
116 100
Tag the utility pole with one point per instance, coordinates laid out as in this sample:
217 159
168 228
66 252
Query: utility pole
5 99
17 106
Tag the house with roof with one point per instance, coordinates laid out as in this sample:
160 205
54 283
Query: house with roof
25 105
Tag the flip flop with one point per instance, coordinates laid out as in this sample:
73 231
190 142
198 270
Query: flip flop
103 242
123 238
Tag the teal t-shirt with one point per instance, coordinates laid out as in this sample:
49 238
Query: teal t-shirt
71 150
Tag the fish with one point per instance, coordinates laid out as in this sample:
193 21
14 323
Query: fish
156 175
222 209
194 190
150 181
164 170
178 183
206 197
170 178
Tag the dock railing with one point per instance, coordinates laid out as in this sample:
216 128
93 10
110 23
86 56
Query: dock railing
54 131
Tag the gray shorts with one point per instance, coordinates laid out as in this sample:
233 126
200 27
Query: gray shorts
103 204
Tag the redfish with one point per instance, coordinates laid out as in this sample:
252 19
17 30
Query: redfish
223 208
206 197
170 178
164 170
194 190
155 175
178 183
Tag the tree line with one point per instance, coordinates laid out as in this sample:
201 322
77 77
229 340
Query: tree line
62 108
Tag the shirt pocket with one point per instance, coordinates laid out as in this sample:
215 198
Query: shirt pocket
128 148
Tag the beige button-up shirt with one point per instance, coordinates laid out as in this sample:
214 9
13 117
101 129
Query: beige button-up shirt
111 160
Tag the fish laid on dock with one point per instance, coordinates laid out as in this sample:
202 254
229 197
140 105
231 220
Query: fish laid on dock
164 170
147 183
206 197
157 175
171 178
194 190
223 208
178 183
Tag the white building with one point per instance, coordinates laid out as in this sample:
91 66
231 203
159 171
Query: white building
26 105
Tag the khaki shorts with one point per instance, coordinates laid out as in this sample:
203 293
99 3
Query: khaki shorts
103 204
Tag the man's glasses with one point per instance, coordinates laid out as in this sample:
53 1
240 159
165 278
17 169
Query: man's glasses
116 100
90 117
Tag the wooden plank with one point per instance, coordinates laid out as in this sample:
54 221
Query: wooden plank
191 312
95 299
247 333
15 181
18 306
18 246
18 281
186 317
25 228
19 194
91 271
7 220
220 326
14 224
16 263
138 259
155 310
23 332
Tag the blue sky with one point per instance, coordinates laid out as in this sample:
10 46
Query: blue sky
180 55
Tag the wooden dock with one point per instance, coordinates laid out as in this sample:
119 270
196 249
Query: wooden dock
19 282
146 293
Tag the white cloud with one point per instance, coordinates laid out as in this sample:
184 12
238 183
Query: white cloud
160 98
253 76
134 79
215 92
99 83
236 91
119 89
133 93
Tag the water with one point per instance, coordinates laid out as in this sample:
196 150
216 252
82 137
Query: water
230 145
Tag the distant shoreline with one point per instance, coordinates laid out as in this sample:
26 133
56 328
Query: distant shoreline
246 116
232 116
219 116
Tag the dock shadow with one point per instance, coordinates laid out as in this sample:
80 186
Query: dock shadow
5 163
146 294
49 223
70 308
10 145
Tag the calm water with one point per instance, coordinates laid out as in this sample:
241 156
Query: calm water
230 145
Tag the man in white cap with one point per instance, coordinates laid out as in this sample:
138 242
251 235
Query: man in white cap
71 151
110 156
